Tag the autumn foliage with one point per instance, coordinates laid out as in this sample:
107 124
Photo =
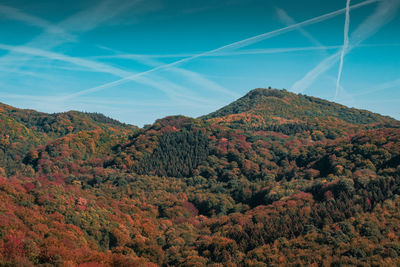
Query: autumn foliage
253 184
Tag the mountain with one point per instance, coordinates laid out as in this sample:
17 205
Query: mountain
273 178
274 104
289 113
59 124
23 129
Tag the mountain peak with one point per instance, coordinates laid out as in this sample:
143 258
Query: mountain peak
274 103
266 92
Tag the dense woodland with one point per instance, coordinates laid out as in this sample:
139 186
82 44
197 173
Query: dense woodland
272 179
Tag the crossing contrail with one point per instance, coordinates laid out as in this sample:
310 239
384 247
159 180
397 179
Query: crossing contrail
385 12
345 46
235 45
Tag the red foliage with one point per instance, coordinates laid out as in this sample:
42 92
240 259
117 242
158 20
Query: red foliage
13 246
29 187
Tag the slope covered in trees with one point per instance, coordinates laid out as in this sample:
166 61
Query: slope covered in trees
289 113
253 184
24 130
287 105
60 124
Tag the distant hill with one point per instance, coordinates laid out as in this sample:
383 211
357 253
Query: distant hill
24 129
271 103
60 124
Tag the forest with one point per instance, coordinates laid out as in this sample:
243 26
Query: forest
272 179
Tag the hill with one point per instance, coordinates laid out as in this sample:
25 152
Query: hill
24 129
60 124
270 103
272 179
289 113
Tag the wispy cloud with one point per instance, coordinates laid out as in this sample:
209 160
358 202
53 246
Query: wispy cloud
312 75
205 83
83 21
193 77
29 97
16 14
385 12
100 67
173 90
58 34
180 94
345 46
344 94
380 87
92 17
237 53
286 19
232 46
54 35
261 37
227 54
28 73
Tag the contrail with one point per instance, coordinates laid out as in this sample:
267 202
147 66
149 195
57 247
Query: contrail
56 56
344 94
384 13
16 14
234 45
241 52
82 21
192 76
163 85
381 87
345 46
313 74
285 18
229 54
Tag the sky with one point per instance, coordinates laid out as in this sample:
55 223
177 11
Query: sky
140 60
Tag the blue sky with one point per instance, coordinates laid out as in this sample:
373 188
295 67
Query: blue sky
139 60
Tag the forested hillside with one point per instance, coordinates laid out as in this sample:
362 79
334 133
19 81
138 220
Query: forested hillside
272 179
